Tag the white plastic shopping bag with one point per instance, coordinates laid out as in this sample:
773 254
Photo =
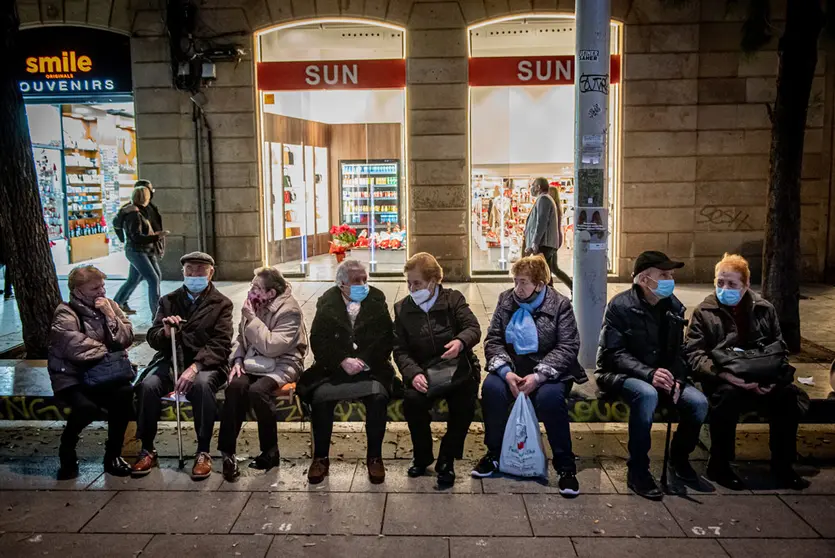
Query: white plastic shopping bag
522 454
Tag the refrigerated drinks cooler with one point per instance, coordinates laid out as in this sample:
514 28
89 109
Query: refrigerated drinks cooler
370 187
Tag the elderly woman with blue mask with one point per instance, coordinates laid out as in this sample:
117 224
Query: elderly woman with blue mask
351 338
531 348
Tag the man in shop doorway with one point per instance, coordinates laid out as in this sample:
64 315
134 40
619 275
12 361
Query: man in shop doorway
201 318
7 277
543 230
151 213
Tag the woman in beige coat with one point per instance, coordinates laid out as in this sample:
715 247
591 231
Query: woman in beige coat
267 353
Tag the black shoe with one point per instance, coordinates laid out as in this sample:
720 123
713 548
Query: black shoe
642 484
488 465
417 470
116 466
266 461
786 477
446 472
684 471
569 487
230 467
68 469
723 475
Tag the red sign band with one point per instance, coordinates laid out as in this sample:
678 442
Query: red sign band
339 74
530 70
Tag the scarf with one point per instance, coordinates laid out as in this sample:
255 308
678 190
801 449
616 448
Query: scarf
521 330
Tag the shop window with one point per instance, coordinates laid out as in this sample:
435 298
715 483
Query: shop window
522 112
77 87
332 124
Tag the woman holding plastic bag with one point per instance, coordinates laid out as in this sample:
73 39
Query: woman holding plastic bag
531 348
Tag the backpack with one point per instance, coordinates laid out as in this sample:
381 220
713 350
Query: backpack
118 221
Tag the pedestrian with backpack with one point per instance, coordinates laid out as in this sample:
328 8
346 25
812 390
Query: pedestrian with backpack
142 249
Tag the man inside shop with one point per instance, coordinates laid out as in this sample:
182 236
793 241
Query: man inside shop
543 231
201 319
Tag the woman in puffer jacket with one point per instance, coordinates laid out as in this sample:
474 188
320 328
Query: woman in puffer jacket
267 353
83 332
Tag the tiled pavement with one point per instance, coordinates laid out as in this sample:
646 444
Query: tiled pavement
278 514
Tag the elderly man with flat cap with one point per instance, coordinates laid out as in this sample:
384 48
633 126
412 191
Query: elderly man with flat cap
202 317
640 358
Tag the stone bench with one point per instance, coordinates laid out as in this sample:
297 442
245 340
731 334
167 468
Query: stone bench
26 394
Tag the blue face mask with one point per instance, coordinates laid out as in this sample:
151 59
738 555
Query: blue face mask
196 284
728 297
358 292
665 288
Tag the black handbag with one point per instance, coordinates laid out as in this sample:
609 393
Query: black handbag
764 364
440 374
112 367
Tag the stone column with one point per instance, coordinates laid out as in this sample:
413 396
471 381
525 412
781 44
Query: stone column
437 100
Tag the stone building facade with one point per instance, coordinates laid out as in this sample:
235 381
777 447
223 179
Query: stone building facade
695 127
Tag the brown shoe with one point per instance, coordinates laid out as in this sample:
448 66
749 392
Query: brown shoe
376 470
318 470
202 466
147 461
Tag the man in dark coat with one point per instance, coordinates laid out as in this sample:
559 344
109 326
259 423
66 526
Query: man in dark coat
734 317
639 357
202 318
351 339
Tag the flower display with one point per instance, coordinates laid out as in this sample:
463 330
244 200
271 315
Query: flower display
344 238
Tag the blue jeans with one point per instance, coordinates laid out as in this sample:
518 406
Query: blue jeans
551 409
643 400
142 266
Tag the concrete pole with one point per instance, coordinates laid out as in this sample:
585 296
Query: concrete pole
591 123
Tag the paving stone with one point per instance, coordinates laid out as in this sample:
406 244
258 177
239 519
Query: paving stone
291 476
71 545
331 513
168 512
39 474
50 512
759 548
368 547
737 516
817 511
617 471
397 481
641 548
208 546
501 547
593 444
602 515
165 477
456 515
591 476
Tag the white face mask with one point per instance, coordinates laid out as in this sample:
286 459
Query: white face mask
421 296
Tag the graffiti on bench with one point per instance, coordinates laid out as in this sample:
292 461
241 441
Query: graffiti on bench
21 407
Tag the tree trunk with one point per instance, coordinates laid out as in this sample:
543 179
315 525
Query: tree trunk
798 55
23 234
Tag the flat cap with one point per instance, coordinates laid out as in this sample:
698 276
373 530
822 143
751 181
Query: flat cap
197 257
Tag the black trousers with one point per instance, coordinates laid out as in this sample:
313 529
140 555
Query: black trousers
376 412
160 382
784 407
551 257
242 393
416 408
85 405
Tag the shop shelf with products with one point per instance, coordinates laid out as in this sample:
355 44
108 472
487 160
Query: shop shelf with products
370 187
293 190
48 173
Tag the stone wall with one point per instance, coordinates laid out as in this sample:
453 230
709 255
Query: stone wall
695 126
